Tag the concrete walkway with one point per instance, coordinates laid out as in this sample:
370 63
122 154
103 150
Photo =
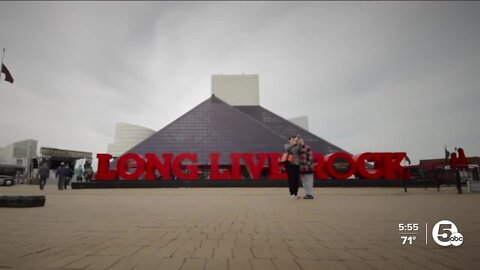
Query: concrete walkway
236 228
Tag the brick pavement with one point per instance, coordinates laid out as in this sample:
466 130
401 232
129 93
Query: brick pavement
236 228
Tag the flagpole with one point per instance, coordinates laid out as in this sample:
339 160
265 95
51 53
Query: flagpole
1 66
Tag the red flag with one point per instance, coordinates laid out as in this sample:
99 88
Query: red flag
8 76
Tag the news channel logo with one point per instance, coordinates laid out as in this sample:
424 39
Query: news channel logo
445 233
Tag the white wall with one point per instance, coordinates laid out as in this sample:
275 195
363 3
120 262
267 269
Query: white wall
237 90
21 150
6 154
126 137
19 153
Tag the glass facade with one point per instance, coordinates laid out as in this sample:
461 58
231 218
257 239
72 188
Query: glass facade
215 126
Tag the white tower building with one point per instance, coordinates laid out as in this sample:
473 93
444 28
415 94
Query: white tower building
237 90
126 137
243 90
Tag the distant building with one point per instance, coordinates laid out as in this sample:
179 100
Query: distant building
24 154
126 137
215 126
243 90
230 121
54 156
471 160
20 153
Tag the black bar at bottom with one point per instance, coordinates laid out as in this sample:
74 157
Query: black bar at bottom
238 183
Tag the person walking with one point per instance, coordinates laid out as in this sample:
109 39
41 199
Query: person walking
69 176
79 173
306 168
61 174
43 173
293 167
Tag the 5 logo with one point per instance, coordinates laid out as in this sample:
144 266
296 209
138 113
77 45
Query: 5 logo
445 233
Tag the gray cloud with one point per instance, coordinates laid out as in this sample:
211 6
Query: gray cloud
371 76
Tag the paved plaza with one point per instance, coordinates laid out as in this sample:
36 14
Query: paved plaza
236 228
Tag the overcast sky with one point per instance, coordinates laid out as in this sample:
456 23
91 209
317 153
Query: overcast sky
371 76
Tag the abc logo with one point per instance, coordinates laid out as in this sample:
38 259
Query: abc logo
445 233
455 238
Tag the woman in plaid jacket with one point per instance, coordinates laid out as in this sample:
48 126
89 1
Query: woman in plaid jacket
307 164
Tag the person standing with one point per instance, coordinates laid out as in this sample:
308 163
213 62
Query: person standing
43 173
69 176
18 177
88 174
61 174
461 166
293 167
79 173
306 168
454 167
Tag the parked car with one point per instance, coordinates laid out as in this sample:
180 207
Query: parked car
6 180
8 173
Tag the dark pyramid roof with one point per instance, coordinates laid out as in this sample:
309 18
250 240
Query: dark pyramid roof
212 126
215 126
284 128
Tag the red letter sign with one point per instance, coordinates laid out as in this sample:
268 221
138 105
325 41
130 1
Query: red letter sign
363 171
277 170
215 173
330 160
255 169
103 171
177 166
236 173
339 165
124 165
391 165
320 167
153 163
